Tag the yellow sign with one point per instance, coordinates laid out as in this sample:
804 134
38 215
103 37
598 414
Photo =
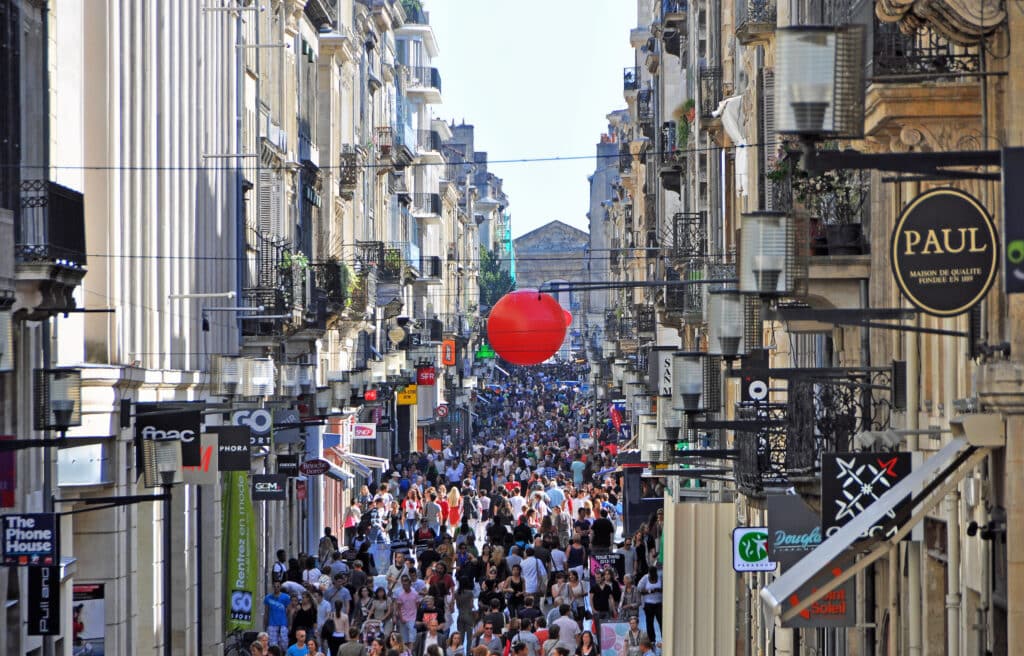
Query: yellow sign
407 396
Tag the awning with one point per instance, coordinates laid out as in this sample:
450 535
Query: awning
936 478
356 465
340 475
372 462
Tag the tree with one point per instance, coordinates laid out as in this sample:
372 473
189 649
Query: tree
494 281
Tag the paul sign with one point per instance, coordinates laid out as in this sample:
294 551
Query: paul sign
944 252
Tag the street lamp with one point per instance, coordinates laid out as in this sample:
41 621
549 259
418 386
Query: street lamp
725 323
259 377
820 81
225 374
58 399
6 341
687 381
765 244
341 388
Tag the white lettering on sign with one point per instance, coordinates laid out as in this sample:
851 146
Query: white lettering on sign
259 421
22 536
154 433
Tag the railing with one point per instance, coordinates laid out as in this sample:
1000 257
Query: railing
613 253
762 448
645 319
428 140
333 277
425 76
51 226
645 106
384 140
922 53
689 235
430 266
350 164
710 90
631 78
670 8
625 158
427 203
754 17
365 291
370 254
672 153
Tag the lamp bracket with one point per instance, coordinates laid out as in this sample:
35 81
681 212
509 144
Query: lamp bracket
931 164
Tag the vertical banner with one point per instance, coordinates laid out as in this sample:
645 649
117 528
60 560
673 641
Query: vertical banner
240 552
8 475
43 601
88 619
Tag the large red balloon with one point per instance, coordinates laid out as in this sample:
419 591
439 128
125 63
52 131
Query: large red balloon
526 327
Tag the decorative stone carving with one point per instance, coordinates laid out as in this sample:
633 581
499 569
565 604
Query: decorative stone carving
965 22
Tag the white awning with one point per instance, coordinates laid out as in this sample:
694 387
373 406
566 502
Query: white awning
340 475
359 467
940 473
373 462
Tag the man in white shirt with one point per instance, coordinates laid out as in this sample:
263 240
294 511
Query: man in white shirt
567 628
534 573
517 502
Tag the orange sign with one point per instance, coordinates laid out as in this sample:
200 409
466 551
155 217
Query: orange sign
448 352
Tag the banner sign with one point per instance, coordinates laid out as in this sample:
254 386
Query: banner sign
288 465
207 471
794 530
260 424
426 375
750 549
407 395
239 532
315 467
233 448
365 432
1013 220
8 475
448 352
944 252
850 482
615 639
31 539
43 601
89 612
174 420
287 429
600 561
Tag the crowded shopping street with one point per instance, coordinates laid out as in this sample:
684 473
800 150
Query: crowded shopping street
511 542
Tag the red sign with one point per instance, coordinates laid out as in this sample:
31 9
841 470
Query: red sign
8 475
370 395
616 419
425 375
442 411
448 352
315 467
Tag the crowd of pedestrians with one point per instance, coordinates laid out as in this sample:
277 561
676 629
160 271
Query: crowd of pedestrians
509 545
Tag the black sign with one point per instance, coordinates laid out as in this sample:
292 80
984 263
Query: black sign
1013 219
850 482
794 530
269 487
232 448
287 426
944 252
288 465
602 560
260 423
30 539
175 420
44 600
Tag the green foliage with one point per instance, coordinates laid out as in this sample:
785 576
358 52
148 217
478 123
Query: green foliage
494 282
291 260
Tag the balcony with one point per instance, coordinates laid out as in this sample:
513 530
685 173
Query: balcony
428 140
49 245
334 278
431 270
673 34
353 156
425 82
689 236
710 90
625 158
631 78
369 254
672 158
384 139
427 207
645 107
755 21
364 293
673 11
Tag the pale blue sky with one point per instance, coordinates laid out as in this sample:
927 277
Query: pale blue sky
536 78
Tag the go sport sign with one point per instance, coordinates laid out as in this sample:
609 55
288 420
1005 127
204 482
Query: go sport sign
750 550
944 252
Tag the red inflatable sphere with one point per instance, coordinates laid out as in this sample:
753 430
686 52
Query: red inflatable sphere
568 317
526 327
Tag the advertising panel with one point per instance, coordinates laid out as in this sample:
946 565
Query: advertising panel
239 532
31 539
174 420
850 482
89 619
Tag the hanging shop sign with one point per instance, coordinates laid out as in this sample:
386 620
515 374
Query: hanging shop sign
208 470
425 375
794 530
365 432
43 601
850 482
260 423
1013 220
30 539
269 487
448 352
233 448
288 464
173 420
750 550
314 467
407 395
287 426
944 252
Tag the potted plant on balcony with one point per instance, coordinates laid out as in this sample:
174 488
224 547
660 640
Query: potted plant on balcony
684 115
392 268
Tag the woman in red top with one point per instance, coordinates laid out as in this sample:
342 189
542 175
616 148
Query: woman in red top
412 510
454 508
442 500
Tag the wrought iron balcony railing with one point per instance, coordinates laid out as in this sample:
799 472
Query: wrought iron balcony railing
895 54
645 106
51 226
631 78
710 90
430 266
428 140
427 204
334 278
425 76
369 254
384 140
689 235
364 292
351 164
625 158
754 19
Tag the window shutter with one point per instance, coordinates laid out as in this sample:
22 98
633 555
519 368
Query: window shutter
264 220
768 136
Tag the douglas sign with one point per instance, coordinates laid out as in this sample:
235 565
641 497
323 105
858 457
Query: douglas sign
944 252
